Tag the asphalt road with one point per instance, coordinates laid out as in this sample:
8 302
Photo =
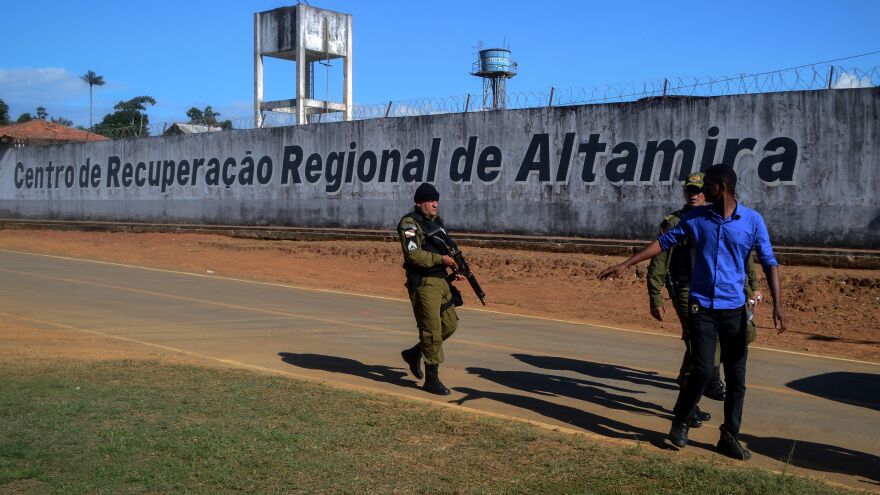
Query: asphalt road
822 415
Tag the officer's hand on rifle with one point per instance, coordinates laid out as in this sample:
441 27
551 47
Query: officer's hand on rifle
658 313
449 262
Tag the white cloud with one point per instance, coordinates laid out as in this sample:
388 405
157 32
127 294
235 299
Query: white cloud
63 93
46 85
852 80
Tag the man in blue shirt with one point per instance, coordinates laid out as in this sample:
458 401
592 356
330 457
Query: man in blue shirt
721 235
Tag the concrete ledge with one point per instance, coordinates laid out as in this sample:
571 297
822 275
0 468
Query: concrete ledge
868 259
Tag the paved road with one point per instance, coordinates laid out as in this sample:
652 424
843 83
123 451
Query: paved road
823 413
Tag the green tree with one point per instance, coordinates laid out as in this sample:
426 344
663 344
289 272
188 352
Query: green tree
207 117
42 113
4 113
25 117
203 117
62 121
195 115
211 116
91 79
129 119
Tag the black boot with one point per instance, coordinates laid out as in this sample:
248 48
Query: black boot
413 357
730 446
715 388
678 435
698 417
432 381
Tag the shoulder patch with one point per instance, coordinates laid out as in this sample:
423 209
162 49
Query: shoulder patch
408 227
411 246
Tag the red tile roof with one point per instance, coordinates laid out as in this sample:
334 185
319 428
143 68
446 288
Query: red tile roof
39 131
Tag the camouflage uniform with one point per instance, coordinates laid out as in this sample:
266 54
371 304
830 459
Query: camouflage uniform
425 245
428 289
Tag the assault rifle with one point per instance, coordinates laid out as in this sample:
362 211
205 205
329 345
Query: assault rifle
465 271
437 235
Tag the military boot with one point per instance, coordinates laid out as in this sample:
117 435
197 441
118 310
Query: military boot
715 388
413 357
432 381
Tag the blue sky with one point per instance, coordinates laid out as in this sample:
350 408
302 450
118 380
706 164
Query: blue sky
197 53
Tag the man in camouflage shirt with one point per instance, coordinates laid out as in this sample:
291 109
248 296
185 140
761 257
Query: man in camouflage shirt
426 261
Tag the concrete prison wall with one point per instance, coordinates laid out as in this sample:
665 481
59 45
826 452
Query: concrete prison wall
808 161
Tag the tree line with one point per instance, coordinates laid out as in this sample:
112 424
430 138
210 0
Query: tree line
40 114
128 119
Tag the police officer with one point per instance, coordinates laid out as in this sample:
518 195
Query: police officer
673 269
426 261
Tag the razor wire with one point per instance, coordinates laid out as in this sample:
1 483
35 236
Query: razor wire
812 77
802 78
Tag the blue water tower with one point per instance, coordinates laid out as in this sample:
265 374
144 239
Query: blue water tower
495 67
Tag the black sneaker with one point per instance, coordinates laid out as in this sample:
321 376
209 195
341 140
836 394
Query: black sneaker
678 435
715 388
728 445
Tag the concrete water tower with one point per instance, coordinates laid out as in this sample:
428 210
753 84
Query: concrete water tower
495 67
305 35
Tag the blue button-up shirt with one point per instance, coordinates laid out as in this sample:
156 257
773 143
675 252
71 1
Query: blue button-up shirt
719 250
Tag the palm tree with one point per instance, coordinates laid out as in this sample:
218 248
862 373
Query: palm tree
92 79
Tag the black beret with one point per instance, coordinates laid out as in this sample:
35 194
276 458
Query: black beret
426 192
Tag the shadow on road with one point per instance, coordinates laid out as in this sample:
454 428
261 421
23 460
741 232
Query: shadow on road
335 364
817 456
857 389
599 370
575 388
578 418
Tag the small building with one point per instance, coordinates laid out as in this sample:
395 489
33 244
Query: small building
40 132
178 129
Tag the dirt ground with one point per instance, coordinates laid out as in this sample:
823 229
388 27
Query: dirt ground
834 312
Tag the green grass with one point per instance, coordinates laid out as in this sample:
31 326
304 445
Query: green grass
147 427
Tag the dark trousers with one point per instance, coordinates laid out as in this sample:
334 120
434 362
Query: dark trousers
705 327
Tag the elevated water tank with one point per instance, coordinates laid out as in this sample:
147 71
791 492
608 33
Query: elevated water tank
495 60
495 67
